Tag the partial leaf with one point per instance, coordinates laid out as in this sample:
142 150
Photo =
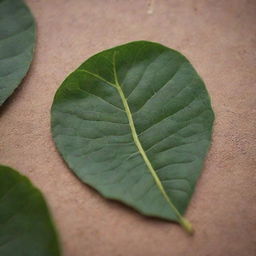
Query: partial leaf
135 122
17 42
26 228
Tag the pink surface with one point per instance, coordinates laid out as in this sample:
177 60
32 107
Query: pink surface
219 38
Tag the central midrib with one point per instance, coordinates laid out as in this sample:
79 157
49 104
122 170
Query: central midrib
158 182
185 223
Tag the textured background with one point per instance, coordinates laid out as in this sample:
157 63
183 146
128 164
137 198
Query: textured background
219 38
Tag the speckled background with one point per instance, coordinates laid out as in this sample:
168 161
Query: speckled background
219 38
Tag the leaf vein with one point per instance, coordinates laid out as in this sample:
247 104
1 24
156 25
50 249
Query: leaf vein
140 148
142 75
173 113
95 120
162 87
174 133
103 100
97 76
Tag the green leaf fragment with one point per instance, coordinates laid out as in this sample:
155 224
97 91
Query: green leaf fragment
135 122
26 228
17 42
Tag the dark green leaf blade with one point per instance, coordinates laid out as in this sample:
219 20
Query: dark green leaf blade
135 122
17 42
26 228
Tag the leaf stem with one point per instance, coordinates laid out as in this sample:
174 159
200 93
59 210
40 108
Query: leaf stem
186 225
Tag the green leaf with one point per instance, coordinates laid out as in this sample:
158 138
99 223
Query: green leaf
17 42
135 122
26 228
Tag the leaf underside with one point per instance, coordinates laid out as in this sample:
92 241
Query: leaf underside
135 122
26 228
17 40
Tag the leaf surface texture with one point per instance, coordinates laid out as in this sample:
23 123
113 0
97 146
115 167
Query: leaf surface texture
17 41
135 122
26 228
